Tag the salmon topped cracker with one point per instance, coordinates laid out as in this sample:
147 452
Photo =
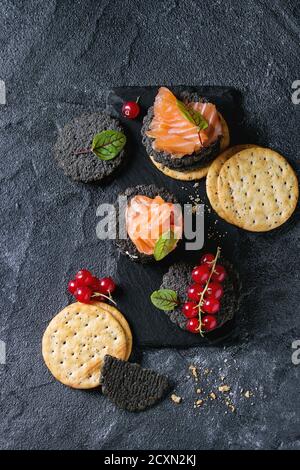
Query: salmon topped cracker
147 219
176 132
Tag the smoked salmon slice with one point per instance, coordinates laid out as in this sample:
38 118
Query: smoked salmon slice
147 219
175 134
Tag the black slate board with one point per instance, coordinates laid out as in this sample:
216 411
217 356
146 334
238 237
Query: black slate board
151 327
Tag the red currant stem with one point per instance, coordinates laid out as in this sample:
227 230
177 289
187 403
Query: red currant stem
137 100
96 294
81 151
214 262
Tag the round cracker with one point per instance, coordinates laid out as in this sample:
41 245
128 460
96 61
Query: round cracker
225 141
190 175
123 322
213 175
196 174
76 342
258 189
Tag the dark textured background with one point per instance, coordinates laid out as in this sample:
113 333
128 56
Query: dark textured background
57 59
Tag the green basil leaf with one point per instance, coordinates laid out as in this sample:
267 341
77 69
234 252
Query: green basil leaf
192 116
108 144
164 299
164 245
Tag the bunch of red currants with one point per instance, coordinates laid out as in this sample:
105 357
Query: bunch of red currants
86 287
204 295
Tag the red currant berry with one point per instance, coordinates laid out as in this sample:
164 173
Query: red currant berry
208 259
107 285
84 278
211 305
219 274
190 309
131 109
72 286
194 292
192 325
209 323
215 290
95 284
83 294
200 274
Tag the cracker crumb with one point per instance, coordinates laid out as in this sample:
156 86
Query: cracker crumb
199 390
213 396
194 371
206 371
198 403
231 407
247 394
224 388
176 399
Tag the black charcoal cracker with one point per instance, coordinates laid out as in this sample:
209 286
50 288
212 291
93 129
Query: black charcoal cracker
126 246
131 387
178 278
78 134
195 161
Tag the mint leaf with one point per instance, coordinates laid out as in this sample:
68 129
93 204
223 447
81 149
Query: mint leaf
108 144
164 299
164 245
192 116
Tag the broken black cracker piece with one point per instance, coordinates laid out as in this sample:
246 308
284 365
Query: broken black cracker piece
131 387
178 278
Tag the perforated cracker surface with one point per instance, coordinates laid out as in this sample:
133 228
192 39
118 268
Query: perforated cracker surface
258 189
213 175
76 342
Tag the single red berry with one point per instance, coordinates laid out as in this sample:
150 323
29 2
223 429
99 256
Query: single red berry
72 286
209 323
215 290
208 259
131 109
83 294
95 285
219 274
194 292
192 325
84 277
211 305
200 274
107 285
190 309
